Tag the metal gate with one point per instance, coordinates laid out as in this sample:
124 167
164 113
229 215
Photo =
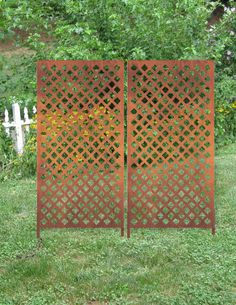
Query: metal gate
170 144
80 144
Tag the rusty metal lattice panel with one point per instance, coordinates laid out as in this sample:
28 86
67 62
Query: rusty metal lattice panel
80 144
170 144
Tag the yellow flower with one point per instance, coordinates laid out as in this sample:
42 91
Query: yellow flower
75 111
96 112
33 126
233 105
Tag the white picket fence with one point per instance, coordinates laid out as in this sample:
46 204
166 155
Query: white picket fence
18 128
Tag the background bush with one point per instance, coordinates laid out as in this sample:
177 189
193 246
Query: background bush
125 29
13 165
7 153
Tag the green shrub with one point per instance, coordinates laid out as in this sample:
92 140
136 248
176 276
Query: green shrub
17 79
126 29
13 165
25 163
225 111
7 153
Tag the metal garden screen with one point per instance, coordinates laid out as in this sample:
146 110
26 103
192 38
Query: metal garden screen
170 144
81 151
80 144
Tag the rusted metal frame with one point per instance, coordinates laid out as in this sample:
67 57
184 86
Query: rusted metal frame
212 114
178 173
119 116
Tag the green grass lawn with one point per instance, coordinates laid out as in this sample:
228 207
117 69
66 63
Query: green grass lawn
92 267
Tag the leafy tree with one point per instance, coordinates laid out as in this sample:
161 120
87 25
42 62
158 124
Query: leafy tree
125 29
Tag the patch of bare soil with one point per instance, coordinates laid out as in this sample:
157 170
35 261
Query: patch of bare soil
8 47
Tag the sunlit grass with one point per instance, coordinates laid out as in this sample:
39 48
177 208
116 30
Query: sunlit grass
95 267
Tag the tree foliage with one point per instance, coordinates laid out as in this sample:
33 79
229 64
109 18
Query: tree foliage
129 29
126 29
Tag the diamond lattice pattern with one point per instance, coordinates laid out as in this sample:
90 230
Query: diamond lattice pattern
80 144
170 150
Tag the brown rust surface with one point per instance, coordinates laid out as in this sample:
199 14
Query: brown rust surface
170 144
80 144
